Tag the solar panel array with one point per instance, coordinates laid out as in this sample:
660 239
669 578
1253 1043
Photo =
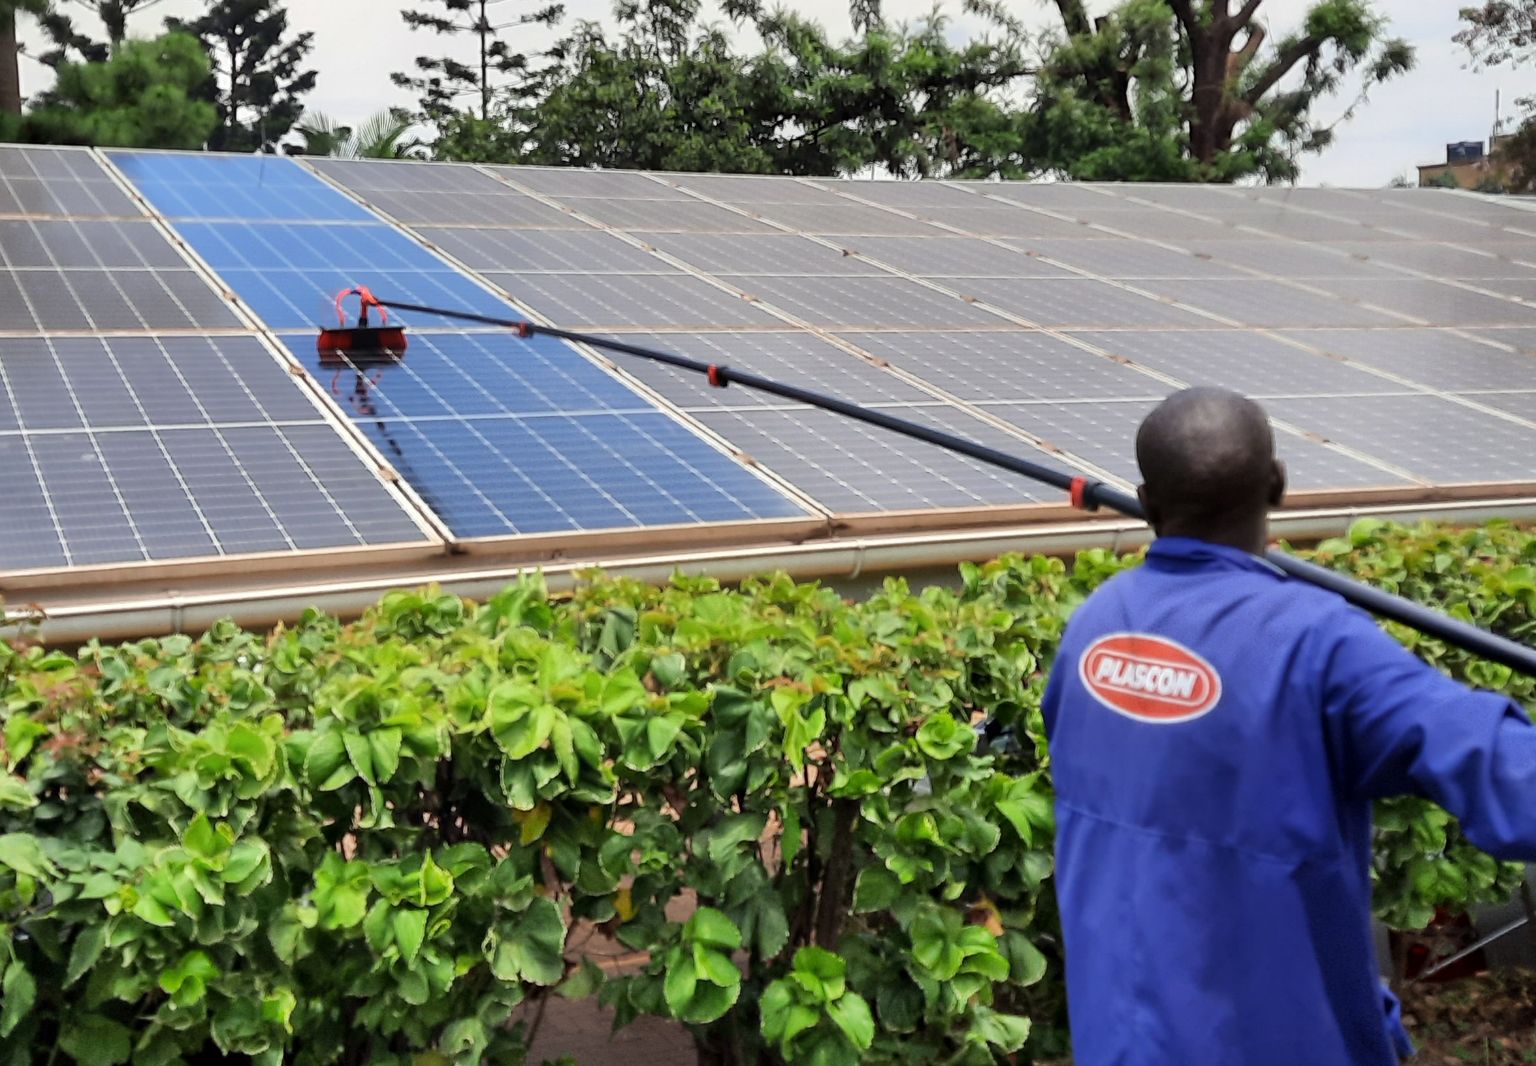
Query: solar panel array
154 308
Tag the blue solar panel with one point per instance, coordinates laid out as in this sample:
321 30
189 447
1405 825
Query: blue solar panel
289 275
234 186
467 375
542 474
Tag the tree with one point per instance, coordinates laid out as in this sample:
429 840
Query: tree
382 135
1499 32
1194 90
257 80
443 82
669 93
69 43
144 96
10 51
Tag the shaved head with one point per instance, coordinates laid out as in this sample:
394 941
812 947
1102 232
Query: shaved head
1208 468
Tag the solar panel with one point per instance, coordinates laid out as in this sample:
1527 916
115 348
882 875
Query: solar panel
1443 260
1001 220
1428 436
758 253
369 175
492 207
864 303
668 216
1053 196
568 183
845 218
1287 259
563 251
90 244
1523 340
43 300
1013 365
954 257
749 191
1124 259
62 182
1250 363
1079 302
255 187
836 461
547 473
1436 359
904 194
1255 302
799 359
644 301
1436 304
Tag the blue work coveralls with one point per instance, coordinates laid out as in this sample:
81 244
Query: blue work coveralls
1217 734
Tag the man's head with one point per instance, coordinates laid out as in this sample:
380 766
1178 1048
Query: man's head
1208 468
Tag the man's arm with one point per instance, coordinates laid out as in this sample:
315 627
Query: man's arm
1401 727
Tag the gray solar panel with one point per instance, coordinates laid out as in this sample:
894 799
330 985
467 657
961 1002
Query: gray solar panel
42 300
1080 302
1001 220
1254 302
798 358
749 191
909 195
578 251
853 468
1444 260
646 301
668 216
1250 363
1436 304
568 182
485 208
954 257
1289 259
844 219
1435 358
370 176
88 244
1437 440
59 182
1124 259
865 303
1012 365
758 253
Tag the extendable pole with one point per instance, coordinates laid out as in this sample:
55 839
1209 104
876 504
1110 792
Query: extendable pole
1085 493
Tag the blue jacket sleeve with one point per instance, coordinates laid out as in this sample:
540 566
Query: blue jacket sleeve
1401 727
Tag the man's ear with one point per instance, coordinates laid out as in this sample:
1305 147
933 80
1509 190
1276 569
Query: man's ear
1154 519
1277 484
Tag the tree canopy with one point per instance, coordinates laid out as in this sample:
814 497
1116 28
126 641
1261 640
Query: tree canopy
71 43
258 77
144 96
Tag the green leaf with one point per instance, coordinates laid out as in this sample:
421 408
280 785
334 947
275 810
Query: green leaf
710 1002
150 910
384 752
410 929
15 795
96 1041
732 832
277 1009
876 889
88 946
21 736
201 839
660 733
827 968
360 755
622 692
325 765
714 967
1026 965
20 992
681 982
711 927
532 946
1006 1032
531 826
852 1015
24 854
562 738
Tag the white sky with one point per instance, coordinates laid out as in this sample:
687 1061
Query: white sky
359 42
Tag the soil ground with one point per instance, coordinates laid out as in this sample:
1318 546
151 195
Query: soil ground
1488 1020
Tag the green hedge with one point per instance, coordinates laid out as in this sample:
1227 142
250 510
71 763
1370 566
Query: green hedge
375 842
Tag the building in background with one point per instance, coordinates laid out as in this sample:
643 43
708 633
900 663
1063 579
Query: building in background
1469 165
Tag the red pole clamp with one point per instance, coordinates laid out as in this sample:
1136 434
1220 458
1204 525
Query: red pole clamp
1080 494
524 329
717 376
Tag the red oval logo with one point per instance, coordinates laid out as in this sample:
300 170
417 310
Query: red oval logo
1149 678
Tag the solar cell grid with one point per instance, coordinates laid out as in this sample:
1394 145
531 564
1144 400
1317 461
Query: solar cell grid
36 181
854 303
256 187
799 359
575 251
641 300
905 194
1435 358
1436 304
43 300
1519 404
1003 220
1522 340
1058 302
1250 363
500 476
1291 259
749 191
1444 260
569 182
1014 365
464 375
1398 427
954 257
368 176
1256 302
1124 259
1055 196
845 218
851 468
758 253
91 244
668 216
486 208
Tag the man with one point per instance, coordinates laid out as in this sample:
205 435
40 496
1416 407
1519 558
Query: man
1217 734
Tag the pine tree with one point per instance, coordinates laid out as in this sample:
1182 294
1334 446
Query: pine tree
443 83
257 77
71 44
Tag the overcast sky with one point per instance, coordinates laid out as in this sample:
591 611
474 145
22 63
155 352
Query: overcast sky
1407 122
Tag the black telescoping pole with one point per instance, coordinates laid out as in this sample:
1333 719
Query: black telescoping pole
1085 493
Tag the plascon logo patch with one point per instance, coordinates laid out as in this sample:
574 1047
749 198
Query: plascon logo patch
1149 678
